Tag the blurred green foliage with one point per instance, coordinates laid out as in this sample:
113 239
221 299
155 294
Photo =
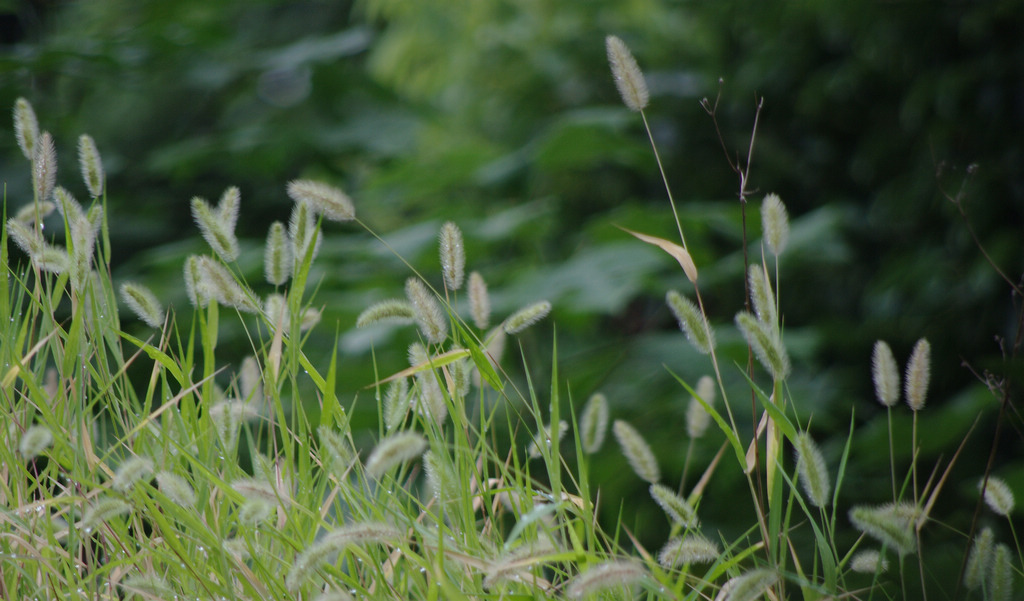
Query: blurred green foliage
502 116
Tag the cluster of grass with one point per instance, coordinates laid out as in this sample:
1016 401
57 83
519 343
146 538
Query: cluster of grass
146 467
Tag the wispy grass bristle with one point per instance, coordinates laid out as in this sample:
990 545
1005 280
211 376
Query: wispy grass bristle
526 317
686 550
637 452
697 417
325 199
594 423
427 311
674 506
479 301
131 471
998 495
91 165
766 344
775 222
453 256
143 303
607 575
254 489
918 373
869 561
277 255
810 464
34 441
26 128
392 310
628 77
885 374
394 449
229 207
691 321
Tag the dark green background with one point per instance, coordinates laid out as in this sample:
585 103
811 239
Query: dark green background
502 116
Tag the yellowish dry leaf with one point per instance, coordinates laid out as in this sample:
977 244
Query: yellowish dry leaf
678 252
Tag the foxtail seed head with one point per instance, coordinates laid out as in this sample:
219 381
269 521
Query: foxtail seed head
891 524
979 560
697 417
542 439
303 231
686 550
750 586
628 77
674 506
606 575
220 235
131 471
998 495
918 373
810 464
143 303
394 449
277 255
195 285
103 509
44 168
639 455
453 256
176 488
869 561
34 441
885 374
392 310
1000 578
762 296
691 322
766 344
429 316
222 286
229 207
326 200
775 222
479 301
526 317
34 212
26 128
594 423
91 165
